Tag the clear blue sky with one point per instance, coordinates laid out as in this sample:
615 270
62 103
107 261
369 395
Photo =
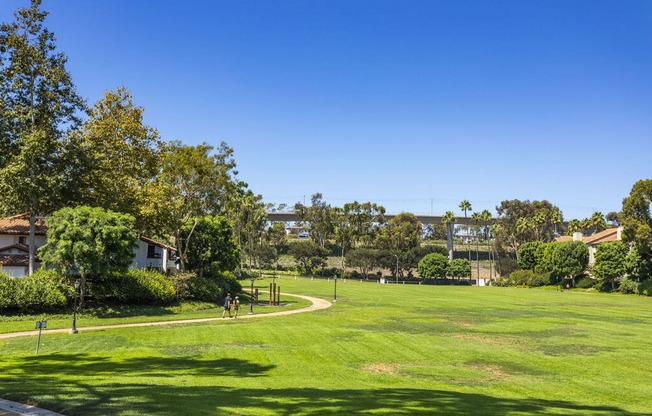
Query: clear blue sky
415 105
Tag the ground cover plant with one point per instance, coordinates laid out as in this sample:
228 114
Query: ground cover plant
380 349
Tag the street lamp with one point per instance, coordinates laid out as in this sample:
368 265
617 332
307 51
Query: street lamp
395 255
74 330
251 304
335 290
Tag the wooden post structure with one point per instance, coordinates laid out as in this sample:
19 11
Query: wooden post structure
278 296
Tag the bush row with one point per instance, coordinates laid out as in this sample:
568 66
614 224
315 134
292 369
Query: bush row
47 290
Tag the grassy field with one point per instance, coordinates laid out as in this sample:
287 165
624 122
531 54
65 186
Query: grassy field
380 349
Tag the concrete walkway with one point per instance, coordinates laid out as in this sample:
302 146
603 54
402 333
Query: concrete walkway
9 408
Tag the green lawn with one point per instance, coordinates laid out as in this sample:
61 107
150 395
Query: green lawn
381 349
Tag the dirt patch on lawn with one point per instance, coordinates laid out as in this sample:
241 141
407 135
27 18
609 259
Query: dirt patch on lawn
382 368
495 372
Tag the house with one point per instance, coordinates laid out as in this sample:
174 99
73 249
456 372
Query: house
593 241
14 251
151 254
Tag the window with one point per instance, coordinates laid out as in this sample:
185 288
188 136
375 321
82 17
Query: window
22 240
152 253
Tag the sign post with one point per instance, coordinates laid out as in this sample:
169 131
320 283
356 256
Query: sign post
40 325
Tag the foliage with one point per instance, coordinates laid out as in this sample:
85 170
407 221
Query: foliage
308 255
433 266
38 102
636 218
133 287
365 259
570 259
528 255
361 222
114 158
212 248
459 268
521 221
645 288
586 283
43 290
628 286
610 262
402 233
88 241
194 182
319 216
527 277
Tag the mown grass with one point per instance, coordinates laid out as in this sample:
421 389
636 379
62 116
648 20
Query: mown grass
122 314
381 349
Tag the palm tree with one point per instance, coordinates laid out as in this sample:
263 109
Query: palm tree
449 220
485 216
477 218
466 206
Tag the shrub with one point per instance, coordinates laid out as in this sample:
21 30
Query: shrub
43 290
586 283
214 287
628 286
7 291
645 288
134 286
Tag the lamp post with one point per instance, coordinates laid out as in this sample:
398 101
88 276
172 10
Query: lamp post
251 304
74 330
396 255
335 290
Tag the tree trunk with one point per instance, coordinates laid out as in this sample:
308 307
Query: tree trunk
31 243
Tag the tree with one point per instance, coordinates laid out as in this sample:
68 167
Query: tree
449 220
594 224
522 221
195 181
38 103
527 255
362 258
319 216
308 255
363 220
569 259
485 217
636 219
114 157
212 248
402 233
466 206
610 262
433 265
459 268
88 241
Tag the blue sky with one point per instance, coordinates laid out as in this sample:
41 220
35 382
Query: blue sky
415 105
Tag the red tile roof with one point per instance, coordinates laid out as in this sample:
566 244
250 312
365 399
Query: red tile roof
14 260
19 225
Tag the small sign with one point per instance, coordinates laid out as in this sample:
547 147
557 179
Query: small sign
41 324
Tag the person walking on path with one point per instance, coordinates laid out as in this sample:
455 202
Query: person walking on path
227 305
236 305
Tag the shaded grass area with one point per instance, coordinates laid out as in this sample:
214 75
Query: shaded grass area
381 349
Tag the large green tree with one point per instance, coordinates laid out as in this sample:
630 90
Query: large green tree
38 103
522 221
636 219
569 259
610 262
210 245
115 157
319 216
195 181
433 265
88 241
402 233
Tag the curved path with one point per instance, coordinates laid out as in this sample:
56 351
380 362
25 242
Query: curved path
316 305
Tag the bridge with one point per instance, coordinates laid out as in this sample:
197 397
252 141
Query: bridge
424 219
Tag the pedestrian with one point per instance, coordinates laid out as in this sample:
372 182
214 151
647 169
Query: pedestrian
227 305
236 305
